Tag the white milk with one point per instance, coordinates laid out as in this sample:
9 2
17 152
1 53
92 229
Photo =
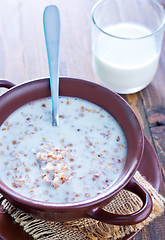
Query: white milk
125 65
73 162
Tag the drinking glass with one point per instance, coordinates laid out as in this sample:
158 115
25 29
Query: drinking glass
127 37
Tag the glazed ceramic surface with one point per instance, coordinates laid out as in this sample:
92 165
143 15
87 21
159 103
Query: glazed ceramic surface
121 111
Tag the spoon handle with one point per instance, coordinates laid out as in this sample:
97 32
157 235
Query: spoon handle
51 22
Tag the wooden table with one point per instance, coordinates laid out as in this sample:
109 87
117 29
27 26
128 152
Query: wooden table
23 57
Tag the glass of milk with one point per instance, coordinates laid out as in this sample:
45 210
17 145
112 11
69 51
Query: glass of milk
127 37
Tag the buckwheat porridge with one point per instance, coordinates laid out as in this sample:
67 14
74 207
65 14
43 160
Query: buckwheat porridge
73 162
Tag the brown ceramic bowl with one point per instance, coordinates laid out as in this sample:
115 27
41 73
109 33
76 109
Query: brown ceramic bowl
122 112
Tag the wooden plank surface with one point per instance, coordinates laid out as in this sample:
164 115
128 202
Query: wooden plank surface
23 57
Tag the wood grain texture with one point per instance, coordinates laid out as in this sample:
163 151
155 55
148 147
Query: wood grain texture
23 57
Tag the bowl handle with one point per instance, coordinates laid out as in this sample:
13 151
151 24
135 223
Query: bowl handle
6 84
101 215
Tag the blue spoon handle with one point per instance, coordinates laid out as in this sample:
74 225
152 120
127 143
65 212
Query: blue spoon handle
51 22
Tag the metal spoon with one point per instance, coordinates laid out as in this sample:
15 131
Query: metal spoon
51 22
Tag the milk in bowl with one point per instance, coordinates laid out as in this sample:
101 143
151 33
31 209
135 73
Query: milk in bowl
74 162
